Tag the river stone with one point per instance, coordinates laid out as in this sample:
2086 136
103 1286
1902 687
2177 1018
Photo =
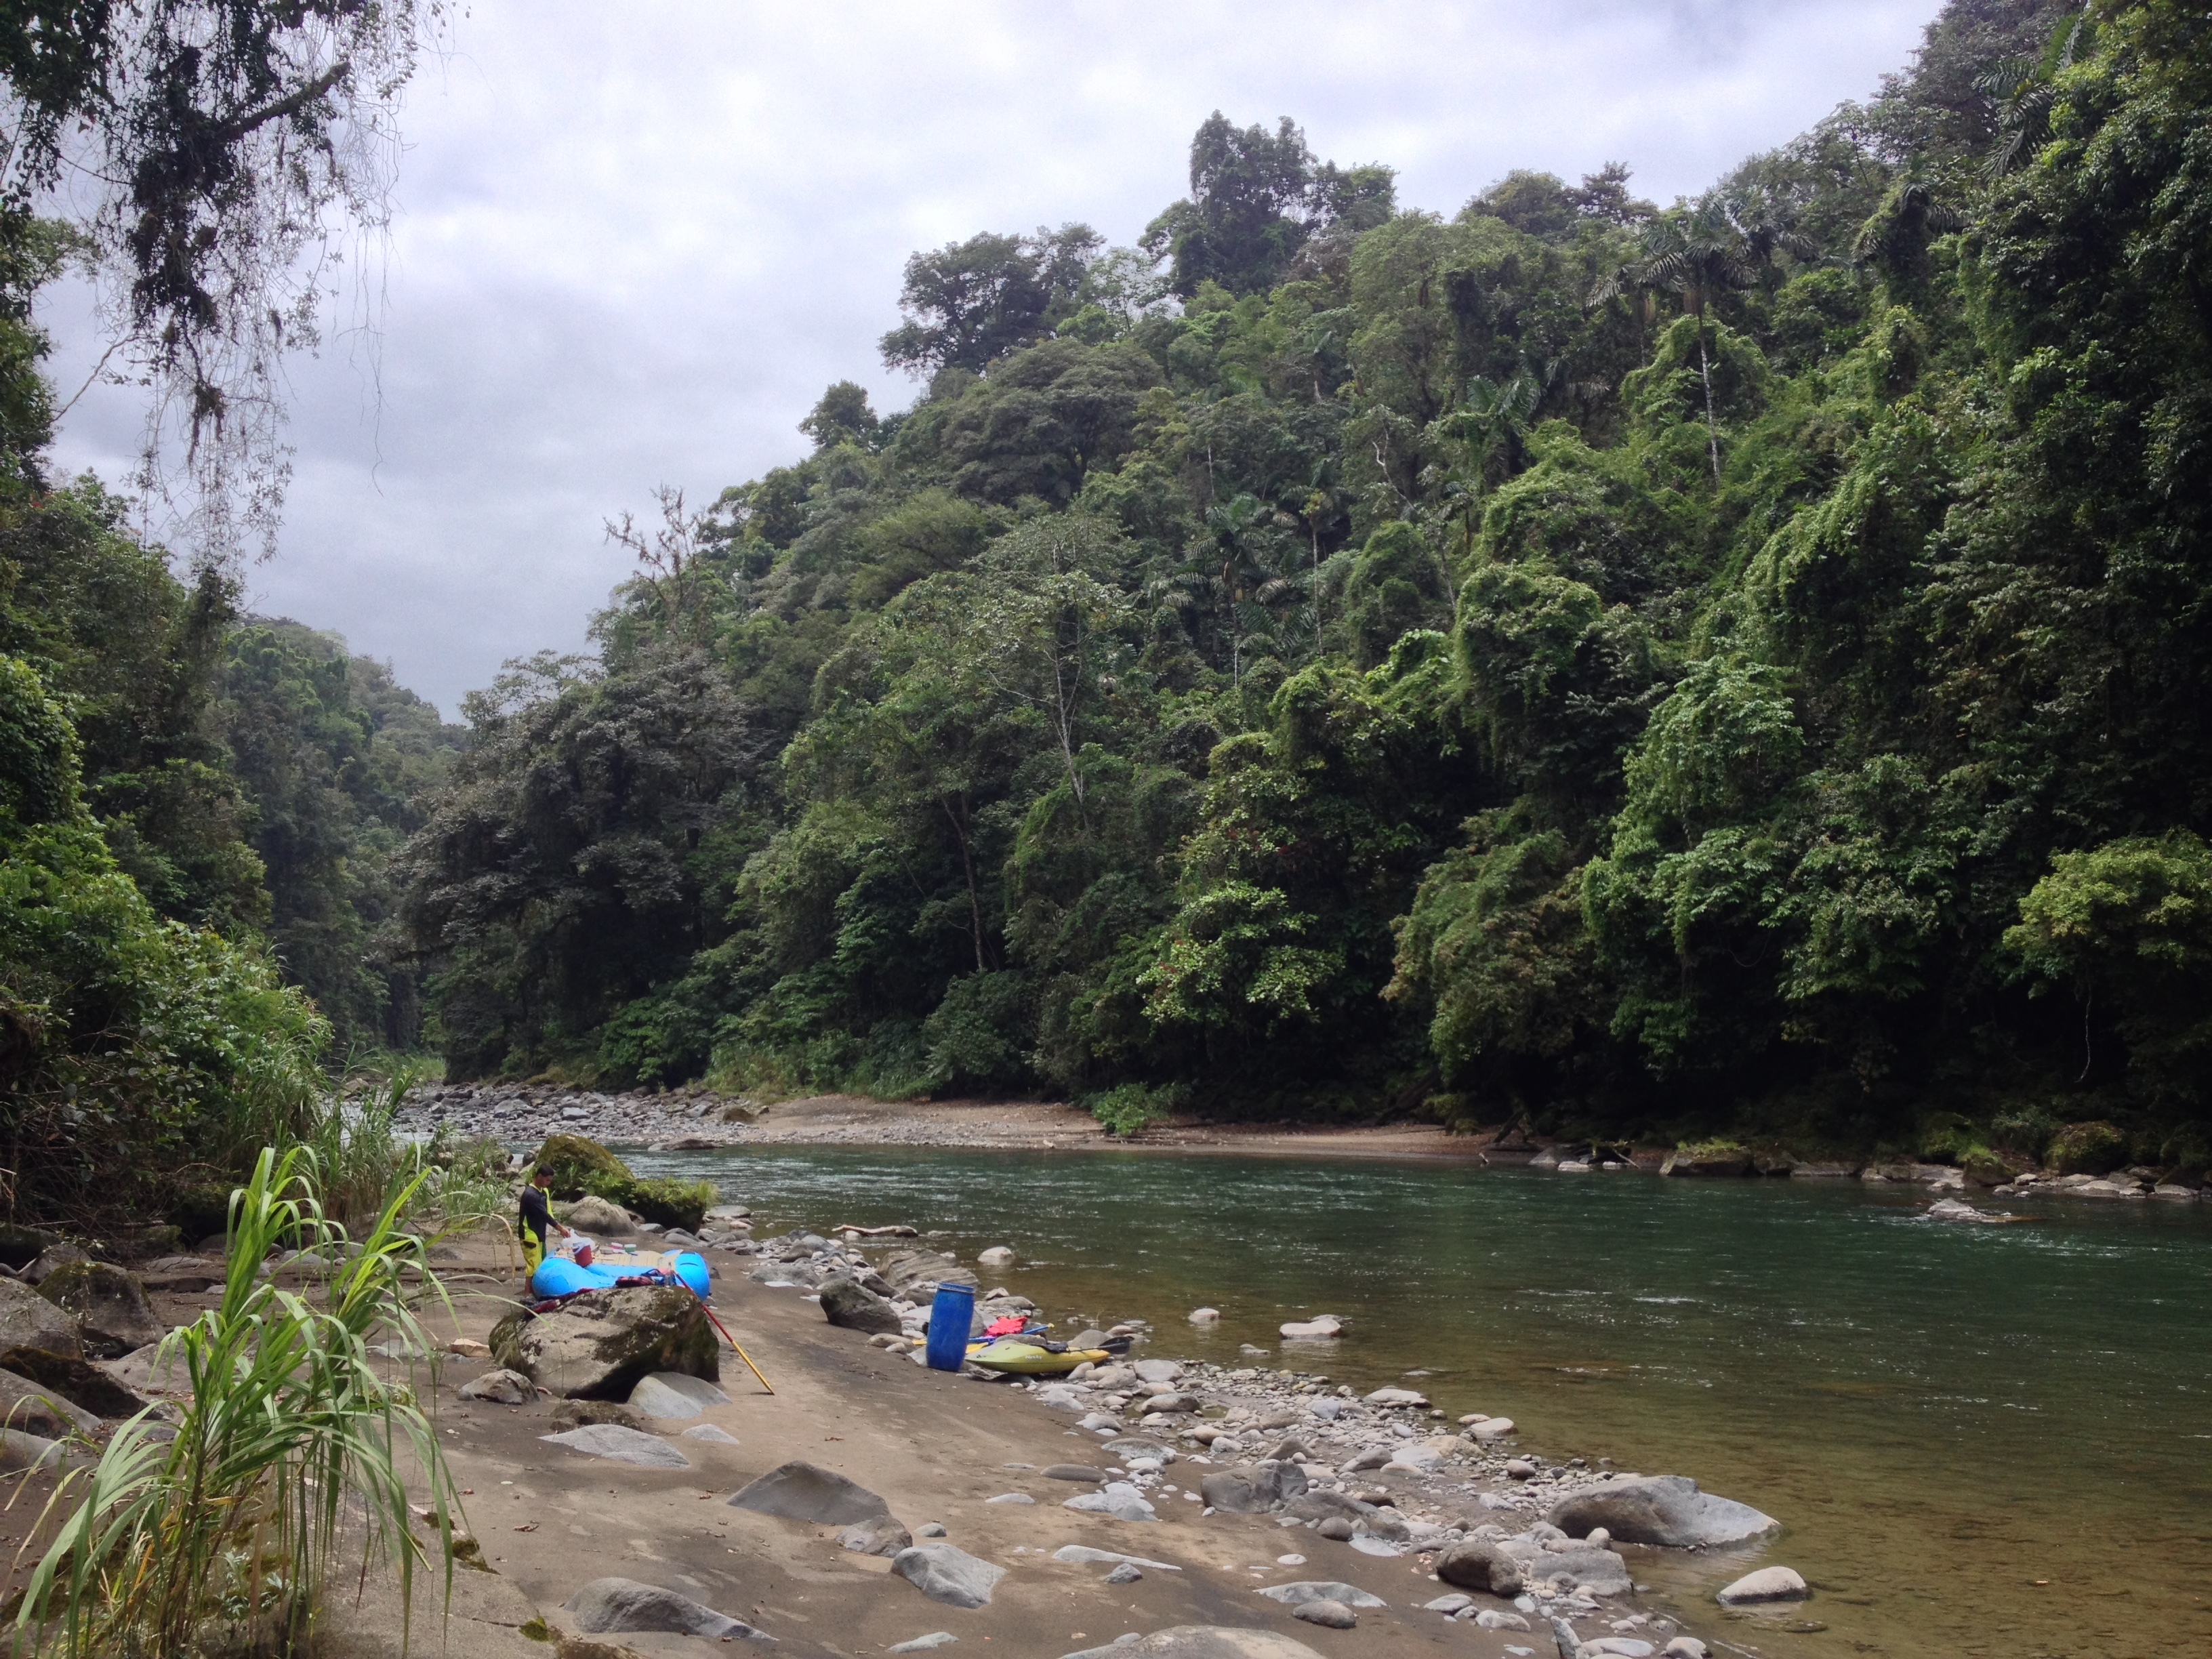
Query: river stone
112 1312
27 1319
1329 1615
594 1214
606 1605
600 1344
1159 1370
619 1445
1203 1641
852 1306
1767 1584
1478 1565
999 1255
1317 1504
574 1413
20 1451
1491 1428
936 1638
671 1393
800 1492
1074 1472
1229 1490
1117 1498
1322 1589
1416 1457
1312 1330
33 1410
1600 1571
1665 1509
78 1382
1397 1397
500 1387
712 1434
879 1535
52 1260
947 1574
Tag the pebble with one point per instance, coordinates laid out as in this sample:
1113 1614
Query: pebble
1011 1497
1329 1615
1205 1315
930 1529
1127 1573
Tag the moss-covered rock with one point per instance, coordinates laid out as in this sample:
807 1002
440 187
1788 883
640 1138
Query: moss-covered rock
579 1164
1709 1158
673 1203
1986 1168
2092 1148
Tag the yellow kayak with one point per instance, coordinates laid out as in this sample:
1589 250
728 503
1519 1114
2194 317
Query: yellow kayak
1027 1359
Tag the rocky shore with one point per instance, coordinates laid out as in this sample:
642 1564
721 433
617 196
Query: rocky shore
692 1119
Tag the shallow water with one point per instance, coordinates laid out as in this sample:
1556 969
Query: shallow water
1943 1417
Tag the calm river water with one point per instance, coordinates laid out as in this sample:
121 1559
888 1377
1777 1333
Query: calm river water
1985 1440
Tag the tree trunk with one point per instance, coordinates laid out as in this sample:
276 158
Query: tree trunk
967 868
1712 427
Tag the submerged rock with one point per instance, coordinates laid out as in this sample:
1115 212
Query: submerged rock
1767 1584
1667 1509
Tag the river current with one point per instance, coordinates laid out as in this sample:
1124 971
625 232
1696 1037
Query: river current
1980 1440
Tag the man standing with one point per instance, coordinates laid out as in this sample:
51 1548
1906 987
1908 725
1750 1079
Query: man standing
539 1225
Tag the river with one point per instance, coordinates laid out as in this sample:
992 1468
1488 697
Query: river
1981 1440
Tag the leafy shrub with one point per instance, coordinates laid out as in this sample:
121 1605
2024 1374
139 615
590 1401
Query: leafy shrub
981 1034
2025 1129
1129 1108
670 1202
223 1537
1945 1137
579 1164
2095 1148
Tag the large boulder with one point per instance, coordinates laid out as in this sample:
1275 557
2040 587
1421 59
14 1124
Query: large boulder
79 1382
601 1217
30 1319
1203 1641
110 1308
1590 1566
1711 1158
946 1574
800 1492
1665 1509
599 1345
606 1605
847 1304
579 1164
2094 1148
1478 1565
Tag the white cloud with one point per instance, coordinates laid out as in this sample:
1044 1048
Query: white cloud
634 243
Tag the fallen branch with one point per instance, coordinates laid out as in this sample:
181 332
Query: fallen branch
878 1232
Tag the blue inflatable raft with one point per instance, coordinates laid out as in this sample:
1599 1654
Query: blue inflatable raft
558 1276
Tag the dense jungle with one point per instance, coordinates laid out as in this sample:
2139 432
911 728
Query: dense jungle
1732 666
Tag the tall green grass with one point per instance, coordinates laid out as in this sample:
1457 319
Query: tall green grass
293 1452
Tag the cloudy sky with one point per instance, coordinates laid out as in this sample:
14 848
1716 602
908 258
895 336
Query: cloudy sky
633 243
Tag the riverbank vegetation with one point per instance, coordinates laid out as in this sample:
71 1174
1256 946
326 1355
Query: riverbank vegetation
1562 659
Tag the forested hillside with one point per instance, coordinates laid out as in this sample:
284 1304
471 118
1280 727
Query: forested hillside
1564 659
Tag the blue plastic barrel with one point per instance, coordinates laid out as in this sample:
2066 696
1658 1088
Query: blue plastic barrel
950 1316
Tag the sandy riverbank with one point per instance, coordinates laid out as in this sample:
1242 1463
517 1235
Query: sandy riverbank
700 1121
938 1449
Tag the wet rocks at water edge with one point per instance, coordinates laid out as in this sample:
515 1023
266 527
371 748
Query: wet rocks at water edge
1767 1585
1325 1327
1665 1509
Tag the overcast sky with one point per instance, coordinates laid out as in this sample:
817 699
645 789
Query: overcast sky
633 243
